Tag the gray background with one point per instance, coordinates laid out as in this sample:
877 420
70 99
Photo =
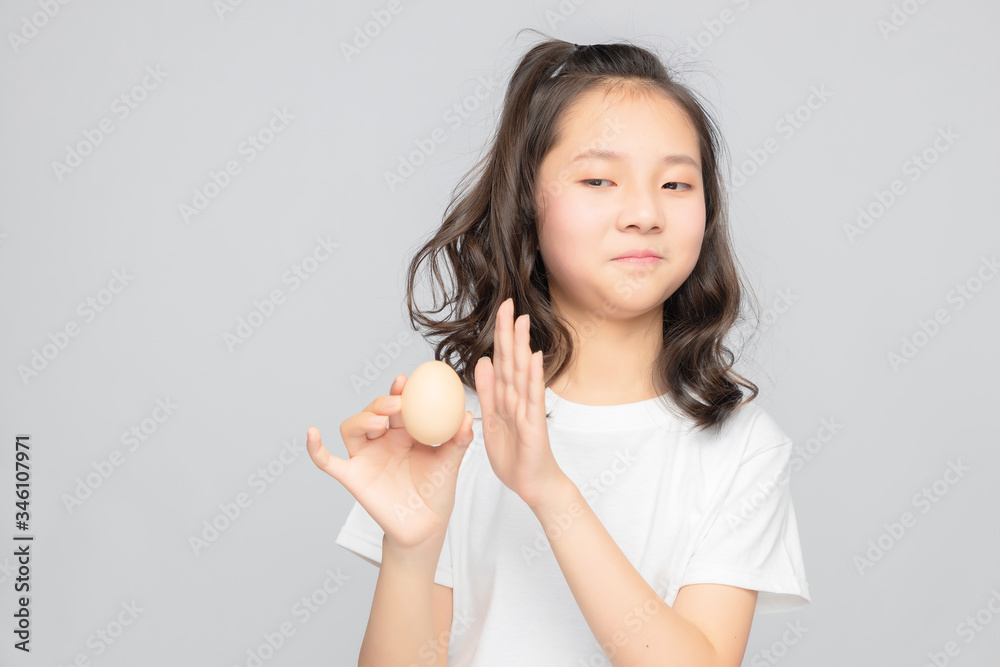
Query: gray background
834 309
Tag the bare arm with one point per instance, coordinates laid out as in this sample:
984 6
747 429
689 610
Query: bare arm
707 626
443 604
400 629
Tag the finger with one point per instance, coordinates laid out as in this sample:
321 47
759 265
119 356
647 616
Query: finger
503 360
522 357
382 406
367 425
463 437
323 459
396 419
378 425
536 390
484 386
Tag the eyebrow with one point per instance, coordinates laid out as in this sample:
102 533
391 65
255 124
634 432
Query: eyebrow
612 156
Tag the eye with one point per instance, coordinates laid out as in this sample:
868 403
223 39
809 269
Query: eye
672 185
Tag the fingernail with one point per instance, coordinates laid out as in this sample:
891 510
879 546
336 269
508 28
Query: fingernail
378 421
393 402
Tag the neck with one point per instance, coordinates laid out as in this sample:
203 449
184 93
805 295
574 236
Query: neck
613 360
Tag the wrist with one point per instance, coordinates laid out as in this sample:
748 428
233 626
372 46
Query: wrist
559 495
423 556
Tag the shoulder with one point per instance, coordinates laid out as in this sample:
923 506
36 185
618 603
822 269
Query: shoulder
755 429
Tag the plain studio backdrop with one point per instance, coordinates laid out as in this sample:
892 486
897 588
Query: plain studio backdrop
206 210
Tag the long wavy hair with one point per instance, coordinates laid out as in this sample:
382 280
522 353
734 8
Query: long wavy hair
489 241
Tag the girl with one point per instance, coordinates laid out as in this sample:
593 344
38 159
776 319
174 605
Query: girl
612 497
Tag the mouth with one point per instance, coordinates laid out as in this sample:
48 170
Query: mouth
648 259
638 256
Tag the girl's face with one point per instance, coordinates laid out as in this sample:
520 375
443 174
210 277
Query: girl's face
594 207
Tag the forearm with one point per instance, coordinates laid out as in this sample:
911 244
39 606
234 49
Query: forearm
632 624
400 629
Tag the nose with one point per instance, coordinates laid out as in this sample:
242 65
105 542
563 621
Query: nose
640 208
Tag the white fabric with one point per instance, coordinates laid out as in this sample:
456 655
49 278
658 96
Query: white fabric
683 507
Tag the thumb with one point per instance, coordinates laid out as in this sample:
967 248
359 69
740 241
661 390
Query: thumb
463 438
322 457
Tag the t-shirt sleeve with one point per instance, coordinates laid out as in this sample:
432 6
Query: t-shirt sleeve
753 540
362 535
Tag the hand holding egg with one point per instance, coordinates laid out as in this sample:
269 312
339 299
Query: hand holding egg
433 403
388 468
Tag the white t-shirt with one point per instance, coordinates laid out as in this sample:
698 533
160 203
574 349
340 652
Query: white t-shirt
683 507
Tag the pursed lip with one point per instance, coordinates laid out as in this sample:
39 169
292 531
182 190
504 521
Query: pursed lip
638 253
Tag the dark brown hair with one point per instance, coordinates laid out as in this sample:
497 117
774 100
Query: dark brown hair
489 240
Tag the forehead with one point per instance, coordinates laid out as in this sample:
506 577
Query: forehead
629 120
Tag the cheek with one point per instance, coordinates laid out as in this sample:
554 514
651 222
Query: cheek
567 227
565 212
689 226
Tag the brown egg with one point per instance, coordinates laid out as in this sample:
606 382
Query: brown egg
433 403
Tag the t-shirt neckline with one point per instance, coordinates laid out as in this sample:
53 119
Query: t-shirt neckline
577 415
